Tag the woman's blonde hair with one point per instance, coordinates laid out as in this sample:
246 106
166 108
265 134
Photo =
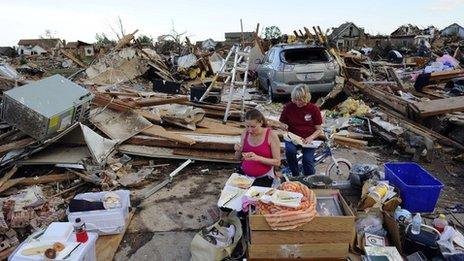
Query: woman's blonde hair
301 93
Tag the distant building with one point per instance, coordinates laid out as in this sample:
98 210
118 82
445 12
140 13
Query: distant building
453 29
38 46
81 48
236 37
7 51
347 36
405 36
208 44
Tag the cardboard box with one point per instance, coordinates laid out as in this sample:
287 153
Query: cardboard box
325 237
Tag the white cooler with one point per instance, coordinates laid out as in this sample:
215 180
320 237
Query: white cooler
103 222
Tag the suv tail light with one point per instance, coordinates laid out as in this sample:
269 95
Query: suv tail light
285 67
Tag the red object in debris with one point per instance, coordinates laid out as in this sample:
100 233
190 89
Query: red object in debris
81 233
82 236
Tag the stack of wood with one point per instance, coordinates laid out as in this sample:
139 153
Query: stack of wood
138 121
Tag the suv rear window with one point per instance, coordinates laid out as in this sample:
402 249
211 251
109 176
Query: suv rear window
304 55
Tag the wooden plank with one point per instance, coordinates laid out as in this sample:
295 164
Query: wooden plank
107 246
157 101
298 251
201 143
37 180
349 141
73 58
149 116
439 106
420 130
166 153
215 155
19 144
299 237
158 131
8 176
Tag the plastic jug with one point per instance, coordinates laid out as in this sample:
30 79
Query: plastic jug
440 223
80 230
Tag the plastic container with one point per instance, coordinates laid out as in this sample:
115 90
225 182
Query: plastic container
416 224
440 223
104 222
418 189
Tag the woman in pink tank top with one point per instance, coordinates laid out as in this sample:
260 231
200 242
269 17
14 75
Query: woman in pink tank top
259 148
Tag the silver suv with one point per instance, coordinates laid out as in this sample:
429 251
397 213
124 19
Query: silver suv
286 66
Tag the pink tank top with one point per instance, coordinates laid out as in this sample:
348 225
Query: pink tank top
255 168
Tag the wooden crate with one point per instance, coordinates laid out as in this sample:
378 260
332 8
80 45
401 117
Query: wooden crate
322 238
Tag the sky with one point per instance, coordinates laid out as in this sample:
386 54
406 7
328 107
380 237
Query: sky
202 19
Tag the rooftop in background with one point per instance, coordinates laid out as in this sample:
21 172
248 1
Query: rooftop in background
47 44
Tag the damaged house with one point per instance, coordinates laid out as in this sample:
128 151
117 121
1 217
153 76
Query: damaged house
404 36
453 29
80 48
347 36
38 46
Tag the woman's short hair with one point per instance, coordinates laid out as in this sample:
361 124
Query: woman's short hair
301 93
256 115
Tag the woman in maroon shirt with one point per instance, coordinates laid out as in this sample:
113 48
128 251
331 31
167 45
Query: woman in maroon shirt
304 119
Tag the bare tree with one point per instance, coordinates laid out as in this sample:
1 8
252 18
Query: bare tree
48 34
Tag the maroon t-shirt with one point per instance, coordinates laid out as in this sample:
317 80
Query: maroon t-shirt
301 121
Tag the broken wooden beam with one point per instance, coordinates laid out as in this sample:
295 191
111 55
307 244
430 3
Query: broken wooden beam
105 101
157 101
37 180
349 141
73 58
438 106
158 131
202 142
19 144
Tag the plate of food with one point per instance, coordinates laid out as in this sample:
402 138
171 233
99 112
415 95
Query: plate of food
297 140
240 181
231 197
255 193
286 198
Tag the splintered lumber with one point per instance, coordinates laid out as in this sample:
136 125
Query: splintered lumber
8 176
107 246
439 106
169 153
125 40
420 130
349 141
73 58
210 126
157 101
158 131
37 180
393 74
202 142
105 101
149 116
19 144
212 155
446 75
388 99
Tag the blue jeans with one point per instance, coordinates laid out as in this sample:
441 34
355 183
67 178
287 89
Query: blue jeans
308 159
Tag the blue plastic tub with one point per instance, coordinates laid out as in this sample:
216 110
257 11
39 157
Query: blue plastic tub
418 189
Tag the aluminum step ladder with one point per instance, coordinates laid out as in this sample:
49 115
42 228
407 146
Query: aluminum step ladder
240 64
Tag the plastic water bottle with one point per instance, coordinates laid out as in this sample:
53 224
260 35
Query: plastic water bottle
440 223
416 224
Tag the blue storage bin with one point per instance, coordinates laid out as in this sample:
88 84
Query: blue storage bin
418 189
